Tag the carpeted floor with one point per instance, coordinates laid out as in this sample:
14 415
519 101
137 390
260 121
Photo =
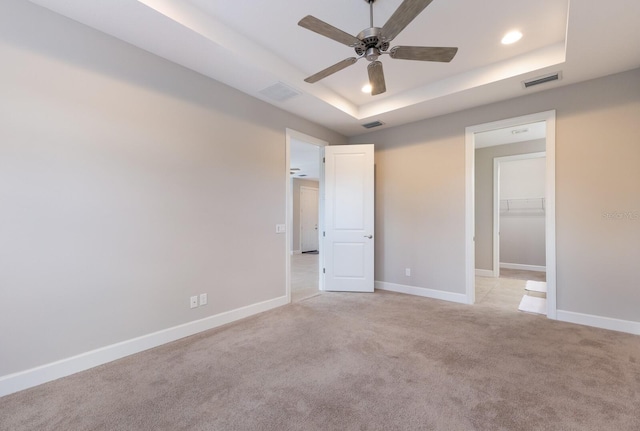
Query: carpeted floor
342 361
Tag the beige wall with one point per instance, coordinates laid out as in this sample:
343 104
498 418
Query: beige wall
421 193
484 194
297 183
127 184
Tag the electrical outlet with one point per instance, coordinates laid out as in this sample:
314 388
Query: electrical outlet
407 272
193 301
203 299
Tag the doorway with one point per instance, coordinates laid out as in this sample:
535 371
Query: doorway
305 185
472 235
518 215
309 217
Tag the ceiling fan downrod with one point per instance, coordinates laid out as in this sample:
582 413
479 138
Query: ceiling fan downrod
372 45
370 11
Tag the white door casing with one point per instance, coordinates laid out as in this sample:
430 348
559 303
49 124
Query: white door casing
308 219
349 218
550 201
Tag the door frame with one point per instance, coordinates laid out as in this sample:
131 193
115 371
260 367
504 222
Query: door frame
289 135
549 117
300 236
497 162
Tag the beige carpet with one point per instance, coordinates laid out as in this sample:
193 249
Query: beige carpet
379 361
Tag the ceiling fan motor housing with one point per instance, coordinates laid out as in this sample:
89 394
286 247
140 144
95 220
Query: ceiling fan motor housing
372 43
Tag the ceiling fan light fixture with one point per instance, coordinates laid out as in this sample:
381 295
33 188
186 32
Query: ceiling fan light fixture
372 42
511 37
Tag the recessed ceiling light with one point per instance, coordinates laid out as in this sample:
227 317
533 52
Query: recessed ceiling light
511 37
366 88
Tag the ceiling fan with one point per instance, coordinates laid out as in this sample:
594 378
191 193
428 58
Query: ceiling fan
372 42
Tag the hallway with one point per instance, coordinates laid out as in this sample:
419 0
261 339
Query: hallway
304 276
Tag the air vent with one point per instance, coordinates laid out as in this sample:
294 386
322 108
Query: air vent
280 92
372 124
542 79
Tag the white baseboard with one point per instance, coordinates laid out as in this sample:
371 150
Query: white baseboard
45 373
484 273
422 291
522 267
628 326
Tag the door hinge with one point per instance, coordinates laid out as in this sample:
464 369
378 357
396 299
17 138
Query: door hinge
324 270
324 233
323 159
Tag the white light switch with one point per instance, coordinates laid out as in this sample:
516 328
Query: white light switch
281 228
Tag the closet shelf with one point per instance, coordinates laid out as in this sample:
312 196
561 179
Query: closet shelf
527 206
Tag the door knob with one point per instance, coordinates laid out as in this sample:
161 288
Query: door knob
368 236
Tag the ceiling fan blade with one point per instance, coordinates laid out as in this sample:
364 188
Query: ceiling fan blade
406 12
376 78
318 26
331 70
423 53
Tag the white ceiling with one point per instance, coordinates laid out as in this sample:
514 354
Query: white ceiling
254 44
305 158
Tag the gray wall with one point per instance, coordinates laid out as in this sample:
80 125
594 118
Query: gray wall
297 183
127 184
421 193
484 194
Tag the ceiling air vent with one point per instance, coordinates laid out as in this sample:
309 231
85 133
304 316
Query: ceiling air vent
280 92
542 79
372 124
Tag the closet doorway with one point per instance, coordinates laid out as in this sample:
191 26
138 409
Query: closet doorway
518 216
309 216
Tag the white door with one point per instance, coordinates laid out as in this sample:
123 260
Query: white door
308 219
348 240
